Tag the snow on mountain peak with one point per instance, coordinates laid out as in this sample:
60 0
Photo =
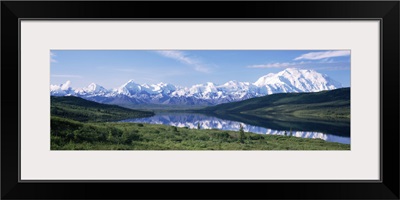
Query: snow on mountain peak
66 85
62 89
233 82
130 83
285 81
93 87
210 83
164 88
129 88
296 80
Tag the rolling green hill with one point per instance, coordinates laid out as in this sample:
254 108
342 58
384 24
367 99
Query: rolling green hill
82 110
333 104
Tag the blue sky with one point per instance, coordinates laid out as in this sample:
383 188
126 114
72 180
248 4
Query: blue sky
112 68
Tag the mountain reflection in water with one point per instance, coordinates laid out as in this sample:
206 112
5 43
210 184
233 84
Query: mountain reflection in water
331 132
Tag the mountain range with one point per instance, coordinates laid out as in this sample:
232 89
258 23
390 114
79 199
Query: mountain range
291 80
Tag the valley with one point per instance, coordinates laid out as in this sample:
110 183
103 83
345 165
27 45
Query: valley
77 123
294 109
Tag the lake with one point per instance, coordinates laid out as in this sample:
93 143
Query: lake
331 131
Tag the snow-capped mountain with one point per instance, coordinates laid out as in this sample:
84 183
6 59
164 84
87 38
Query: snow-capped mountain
92 89
295 80
286 81
61 90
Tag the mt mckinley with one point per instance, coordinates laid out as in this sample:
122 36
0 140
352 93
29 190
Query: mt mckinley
287 81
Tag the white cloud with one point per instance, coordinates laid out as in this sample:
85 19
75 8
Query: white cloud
277 65
177 55
185 59
327 61
332 68
65 76
322 55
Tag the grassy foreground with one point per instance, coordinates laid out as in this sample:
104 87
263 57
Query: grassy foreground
67 134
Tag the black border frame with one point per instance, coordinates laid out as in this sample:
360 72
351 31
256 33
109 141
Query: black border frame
195 180
386 11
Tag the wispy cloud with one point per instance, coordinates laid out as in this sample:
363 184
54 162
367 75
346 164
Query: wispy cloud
327 61
185 59
332 68
322 55
178 55
65 76
52 55
323 64
278 65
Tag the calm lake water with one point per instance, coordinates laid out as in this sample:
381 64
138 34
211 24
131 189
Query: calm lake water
328 131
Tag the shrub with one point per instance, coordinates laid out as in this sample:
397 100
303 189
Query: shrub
115 132
202 137
256 137
241 134
56 140
221 135
177 139
127 137
86 133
